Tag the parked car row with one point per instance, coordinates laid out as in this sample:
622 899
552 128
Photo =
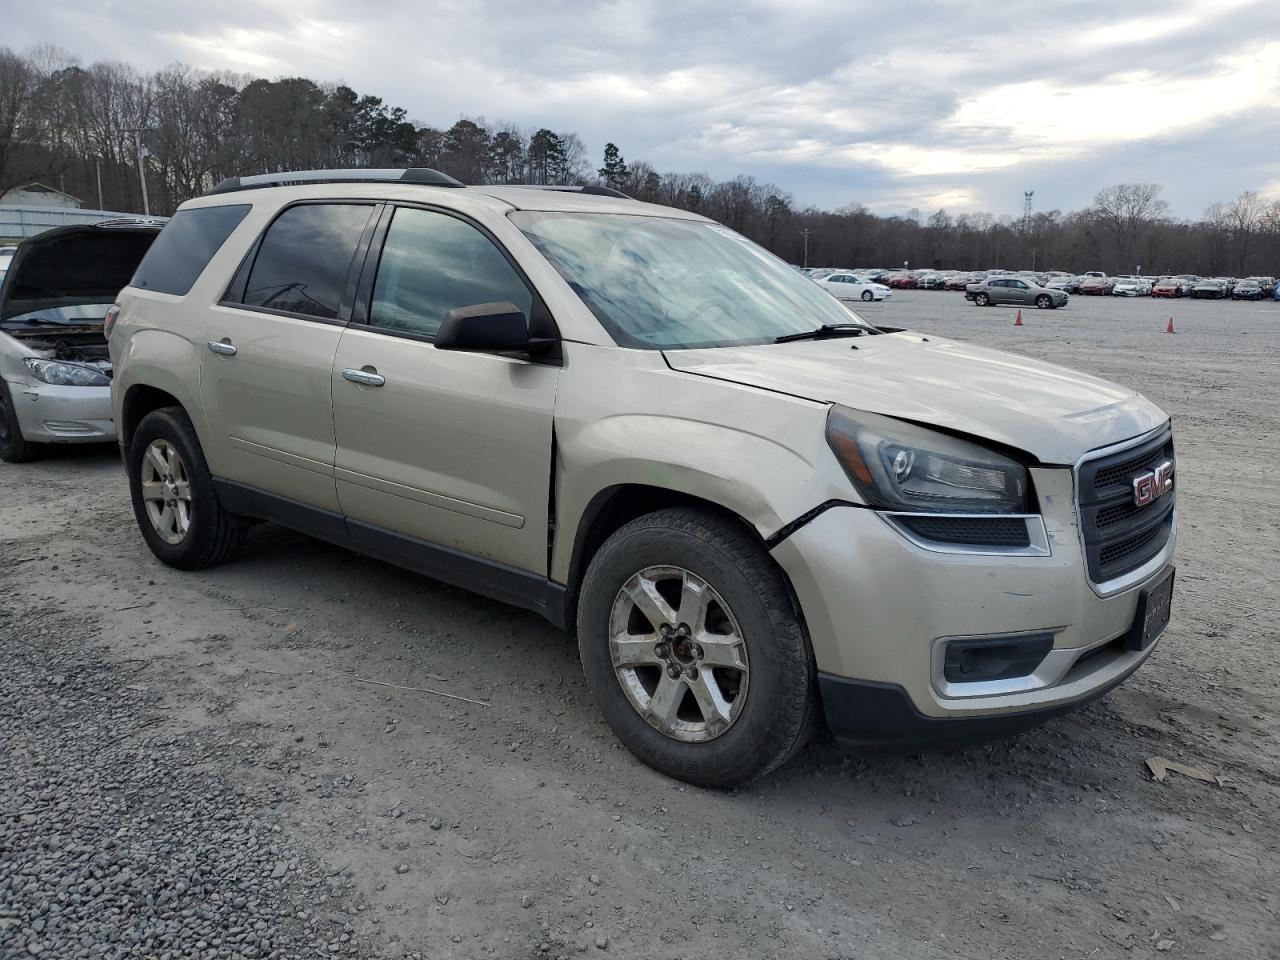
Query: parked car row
1092 283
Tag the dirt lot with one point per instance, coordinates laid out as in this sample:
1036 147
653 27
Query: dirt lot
206 737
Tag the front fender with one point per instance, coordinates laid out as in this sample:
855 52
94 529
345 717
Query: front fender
759 454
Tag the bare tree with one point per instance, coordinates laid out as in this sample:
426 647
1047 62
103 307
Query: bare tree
1126 211
19 83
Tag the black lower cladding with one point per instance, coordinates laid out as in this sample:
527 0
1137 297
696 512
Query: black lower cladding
496 580
872 715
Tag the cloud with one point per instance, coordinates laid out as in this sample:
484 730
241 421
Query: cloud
951 103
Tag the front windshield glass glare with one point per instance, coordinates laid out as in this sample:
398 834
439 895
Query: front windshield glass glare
72 316
659 283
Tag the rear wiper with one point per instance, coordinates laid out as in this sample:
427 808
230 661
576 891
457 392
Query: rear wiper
824 332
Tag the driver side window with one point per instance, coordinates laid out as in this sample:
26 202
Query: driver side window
432 263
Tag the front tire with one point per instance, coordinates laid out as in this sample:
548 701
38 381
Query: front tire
174 501
1044 302
14 447
867 296
693 650
981 299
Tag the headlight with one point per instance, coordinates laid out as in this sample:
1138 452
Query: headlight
63 374
898 466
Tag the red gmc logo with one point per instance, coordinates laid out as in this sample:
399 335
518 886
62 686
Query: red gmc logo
1148 487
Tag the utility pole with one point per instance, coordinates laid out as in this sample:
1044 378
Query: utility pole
1026 224
97 169
805 233
142 170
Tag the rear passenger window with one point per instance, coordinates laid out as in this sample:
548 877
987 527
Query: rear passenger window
304 257
432 263
185 246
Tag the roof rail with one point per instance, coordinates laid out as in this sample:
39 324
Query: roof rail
590 189
420 175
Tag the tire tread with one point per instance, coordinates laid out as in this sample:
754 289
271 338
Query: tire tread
794 722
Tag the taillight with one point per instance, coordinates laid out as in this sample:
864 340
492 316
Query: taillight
109 322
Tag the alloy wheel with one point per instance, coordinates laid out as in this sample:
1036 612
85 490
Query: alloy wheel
166 491
678 653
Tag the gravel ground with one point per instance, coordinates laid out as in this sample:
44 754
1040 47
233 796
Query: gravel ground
196 766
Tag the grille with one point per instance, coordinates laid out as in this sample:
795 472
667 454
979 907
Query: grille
1110 516
1120 536
1122 473
1117 552
987 531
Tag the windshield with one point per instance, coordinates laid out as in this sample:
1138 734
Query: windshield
658 283
79 315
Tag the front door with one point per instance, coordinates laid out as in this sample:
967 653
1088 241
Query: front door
447 447
267 364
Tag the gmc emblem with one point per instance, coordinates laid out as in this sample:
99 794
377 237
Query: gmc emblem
1149 487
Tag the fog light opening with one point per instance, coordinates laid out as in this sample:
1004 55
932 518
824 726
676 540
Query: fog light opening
995 658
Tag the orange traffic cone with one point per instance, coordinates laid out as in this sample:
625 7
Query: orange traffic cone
1017 321
1169 328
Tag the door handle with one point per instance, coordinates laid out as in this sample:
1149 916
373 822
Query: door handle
224 347
365 378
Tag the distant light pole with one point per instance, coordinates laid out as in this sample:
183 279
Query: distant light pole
805 233
142 170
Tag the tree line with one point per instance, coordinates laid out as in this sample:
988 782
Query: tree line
82 129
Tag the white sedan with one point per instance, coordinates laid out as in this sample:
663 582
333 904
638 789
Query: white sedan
850 286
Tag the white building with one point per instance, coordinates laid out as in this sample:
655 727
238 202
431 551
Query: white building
38 195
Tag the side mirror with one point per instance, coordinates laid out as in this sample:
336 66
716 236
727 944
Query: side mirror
485 328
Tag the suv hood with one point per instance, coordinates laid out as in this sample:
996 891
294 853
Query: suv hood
73 266
1052 413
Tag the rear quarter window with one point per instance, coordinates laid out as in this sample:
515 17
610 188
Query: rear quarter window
185 246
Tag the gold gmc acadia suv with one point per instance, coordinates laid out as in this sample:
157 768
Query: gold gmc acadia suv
751 505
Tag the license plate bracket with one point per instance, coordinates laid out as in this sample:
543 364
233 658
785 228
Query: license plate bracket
1154 606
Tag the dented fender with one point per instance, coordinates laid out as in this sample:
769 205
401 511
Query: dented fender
758 454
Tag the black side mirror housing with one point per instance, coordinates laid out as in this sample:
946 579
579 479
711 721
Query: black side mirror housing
498 327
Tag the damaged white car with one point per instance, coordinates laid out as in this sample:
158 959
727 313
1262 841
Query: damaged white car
55 374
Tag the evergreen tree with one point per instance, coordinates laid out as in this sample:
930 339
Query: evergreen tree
614 171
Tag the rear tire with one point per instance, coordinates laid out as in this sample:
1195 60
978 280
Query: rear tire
14 447
654 683
174 502
981 299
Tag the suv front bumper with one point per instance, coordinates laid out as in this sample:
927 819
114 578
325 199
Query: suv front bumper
881 609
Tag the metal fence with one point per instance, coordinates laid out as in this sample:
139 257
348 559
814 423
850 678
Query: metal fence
20 222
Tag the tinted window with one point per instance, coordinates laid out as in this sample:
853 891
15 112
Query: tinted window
185 246
432 263
302 263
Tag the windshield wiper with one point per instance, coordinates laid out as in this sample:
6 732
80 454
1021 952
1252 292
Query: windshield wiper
826 331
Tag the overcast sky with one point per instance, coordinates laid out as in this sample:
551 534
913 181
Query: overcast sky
959 104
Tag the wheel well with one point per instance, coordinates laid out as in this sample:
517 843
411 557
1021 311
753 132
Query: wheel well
608 511
138 402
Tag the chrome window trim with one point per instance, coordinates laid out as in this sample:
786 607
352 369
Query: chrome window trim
1126 581
1036 533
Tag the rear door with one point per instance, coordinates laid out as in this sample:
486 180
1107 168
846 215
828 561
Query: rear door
441 446
268 360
